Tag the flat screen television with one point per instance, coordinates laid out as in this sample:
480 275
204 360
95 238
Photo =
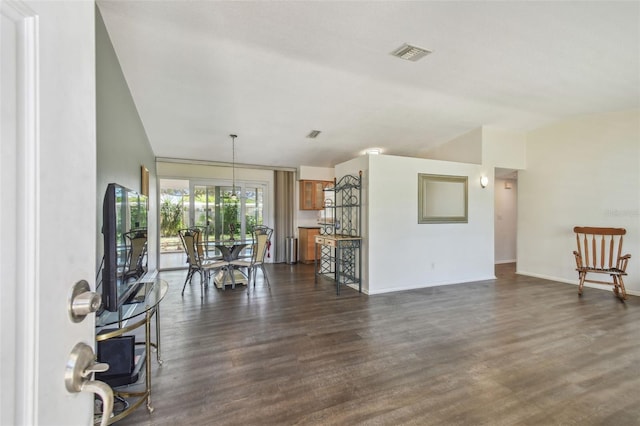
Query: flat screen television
123 211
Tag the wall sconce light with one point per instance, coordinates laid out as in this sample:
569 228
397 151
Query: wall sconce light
507 184
484 181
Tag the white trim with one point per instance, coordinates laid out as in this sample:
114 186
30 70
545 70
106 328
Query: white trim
574 282
546 277
437 284
27 207
222 164
355 287
500 262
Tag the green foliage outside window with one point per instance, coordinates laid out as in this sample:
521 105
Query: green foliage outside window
230 217
170 218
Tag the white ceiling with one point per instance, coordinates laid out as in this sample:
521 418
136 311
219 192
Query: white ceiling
273 71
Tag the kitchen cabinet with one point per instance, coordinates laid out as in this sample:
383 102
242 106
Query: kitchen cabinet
312 194
307 248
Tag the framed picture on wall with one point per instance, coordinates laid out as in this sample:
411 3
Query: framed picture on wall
442 199
144 181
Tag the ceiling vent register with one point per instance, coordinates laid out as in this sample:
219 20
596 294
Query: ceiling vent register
410 53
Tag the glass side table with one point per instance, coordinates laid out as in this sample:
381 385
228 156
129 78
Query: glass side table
144 307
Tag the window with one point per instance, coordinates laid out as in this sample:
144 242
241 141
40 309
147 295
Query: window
224 216
210 205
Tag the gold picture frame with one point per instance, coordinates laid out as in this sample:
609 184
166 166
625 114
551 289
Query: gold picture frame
144 181
442 199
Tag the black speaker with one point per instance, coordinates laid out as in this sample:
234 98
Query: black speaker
118 352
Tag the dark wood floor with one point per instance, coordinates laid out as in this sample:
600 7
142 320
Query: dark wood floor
511 351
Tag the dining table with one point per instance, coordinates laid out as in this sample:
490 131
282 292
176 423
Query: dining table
229 250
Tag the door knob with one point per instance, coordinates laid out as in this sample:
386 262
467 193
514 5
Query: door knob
83 301
77 378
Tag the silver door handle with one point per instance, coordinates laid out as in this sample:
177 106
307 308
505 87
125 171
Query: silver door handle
82 301
80 366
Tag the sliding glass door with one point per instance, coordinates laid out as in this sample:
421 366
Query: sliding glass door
174 215
211 206
225 215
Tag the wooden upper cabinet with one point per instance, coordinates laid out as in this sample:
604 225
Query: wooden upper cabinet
312 194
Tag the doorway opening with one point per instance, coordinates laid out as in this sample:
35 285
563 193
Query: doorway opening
505 220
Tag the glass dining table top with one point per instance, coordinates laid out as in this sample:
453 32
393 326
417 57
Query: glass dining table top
230 249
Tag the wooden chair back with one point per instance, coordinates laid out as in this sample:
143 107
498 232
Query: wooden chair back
599 248
600 251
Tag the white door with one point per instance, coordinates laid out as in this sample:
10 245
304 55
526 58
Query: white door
47 205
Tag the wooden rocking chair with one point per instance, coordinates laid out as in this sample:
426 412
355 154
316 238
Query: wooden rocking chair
600 251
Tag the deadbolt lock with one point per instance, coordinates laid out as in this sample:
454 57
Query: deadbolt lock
83 301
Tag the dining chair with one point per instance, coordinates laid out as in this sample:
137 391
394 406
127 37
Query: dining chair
191 242
202 246
261 244
136 255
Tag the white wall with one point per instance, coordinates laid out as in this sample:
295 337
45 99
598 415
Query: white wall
503 148
403 254
315 173
466 148
506 220
492 147
585 172
305 217
486 145
187 170
353 167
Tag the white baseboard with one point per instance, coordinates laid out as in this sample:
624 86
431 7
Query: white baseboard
500 262
574 282
436 284
529 274
355 287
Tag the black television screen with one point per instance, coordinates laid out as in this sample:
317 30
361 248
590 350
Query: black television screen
124 228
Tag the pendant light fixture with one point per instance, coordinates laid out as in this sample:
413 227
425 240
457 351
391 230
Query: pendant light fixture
233 166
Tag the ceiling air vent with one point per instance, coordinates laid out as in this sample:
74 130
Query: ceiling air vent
314 134
410 53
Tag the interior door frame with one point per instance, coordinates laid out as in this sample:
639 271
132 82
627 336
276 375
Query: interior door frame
22 288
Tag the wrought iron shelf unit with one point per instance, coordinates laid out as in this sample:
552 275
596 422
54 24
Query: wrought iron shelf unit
339 244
